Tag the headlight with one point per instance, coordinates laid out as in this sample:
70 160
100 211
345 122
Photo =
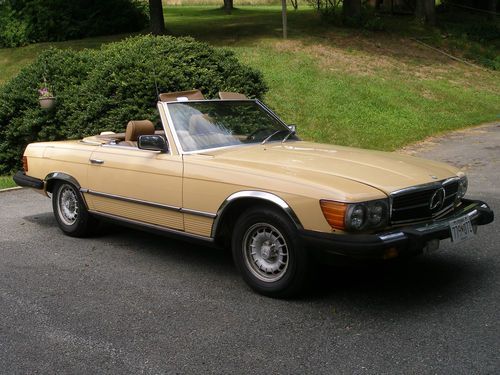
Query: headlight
463 184
356 216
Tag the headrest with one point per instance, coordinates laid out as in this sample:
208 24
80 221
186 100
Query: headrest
231 95
137 128
172 96
200 124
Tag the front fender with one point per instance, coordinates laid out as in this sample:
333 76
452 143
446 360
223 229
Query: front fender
253 195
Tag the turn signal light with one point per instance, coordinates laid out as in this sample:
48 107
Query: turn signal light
334 213
25 163
390 253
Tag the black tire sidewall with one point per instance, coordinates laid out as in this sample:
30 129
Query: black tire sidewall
296 274
80 226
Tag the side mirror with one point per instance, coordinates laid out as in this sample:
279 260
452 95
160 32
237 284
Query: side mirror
293 128
152 143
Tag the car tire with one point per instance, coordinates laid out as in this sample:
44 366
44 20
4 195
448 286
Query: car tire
70 211
267 252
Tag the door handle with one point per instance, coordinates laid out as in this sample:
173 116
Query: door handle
96 161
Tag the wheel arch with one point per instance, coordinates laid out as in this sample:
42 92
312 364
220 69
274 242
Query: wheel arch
52 178
239 201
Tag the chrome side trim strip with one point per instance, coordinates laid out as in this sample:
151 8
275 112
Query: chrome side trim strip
152 226
258 195
198 213
130 200
151 204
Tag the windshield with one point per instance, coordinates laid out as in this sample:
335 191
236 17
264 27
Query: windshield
211 124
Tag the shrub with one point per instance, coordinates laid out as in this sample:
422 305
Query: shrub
99 90
25 21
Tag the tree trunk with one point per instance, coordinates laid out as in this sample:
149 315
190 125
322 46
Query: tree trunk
425 11
351 9
430 12
492 7
283 19
228 6
156 15
419 10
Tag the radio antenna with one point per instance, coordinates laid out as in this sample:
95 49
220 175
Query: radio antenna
156 83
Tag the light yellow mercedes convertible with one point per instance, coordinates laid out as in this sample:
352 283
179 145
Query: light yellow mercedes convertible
229 171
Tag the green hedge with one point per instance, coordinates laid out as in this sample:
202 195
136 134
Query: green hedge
28 21
98 90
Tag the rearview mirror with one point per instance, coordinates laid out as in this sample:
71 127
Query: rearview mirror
293 128
152 143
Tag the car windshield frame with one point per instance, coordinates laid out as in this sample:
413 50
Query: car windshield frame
260 105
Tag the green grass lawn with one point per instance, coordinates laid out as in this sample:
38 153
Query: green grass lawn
360 88
6 182
377 90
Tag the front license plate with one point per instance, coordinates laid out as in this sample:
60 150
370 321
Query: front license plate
461 229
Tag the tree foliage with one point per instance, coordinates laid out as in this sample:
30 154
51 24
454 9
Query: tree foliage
28 21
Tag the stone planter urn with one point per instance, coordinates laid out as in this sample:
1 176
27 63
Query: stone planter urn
47 102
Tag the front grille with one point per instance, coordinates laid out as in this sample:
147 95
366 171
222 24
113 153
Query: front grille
414 204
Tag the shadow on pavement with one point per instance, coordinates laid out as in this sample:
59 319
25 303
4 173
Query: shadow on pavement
424 281
46 219
419 281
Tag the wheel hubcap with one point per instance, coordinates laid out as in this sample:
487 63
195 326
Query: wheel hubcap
266 252
67 205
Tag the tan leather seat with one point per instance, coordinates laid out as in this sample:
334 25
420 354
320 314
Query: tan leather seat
135 129
201 124
172 96
231 95
203 133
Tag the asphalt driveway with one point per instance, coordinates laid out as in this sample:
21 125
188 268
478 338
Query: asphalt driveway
129 302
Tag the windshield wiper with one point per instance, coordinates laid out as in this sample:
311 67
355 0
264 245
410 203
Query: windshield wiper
269 137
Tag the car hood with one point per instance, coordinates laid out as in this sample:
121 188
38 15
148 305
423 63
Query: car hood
386 171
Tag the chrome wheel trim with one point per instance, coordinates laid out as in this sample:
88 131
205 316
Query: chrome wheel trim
265 252
67 205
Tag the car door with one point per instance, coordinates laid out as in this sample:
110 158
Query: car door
139 185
